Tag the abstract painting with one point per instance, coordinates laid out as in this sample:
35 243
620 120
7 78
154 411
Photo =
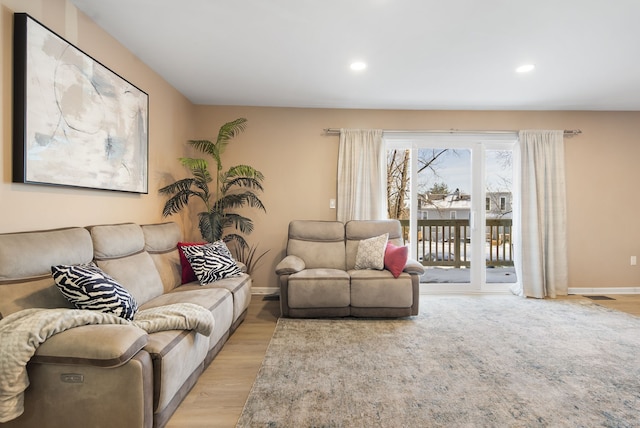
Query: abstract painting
76 122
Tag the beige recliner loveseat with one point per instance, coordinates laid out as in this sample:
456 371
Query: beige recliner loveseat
319 275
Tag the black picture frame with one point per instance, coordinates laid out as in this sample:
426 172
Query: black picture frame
76 123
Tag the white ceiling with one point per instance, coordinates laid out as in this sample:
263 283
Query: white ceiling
421 54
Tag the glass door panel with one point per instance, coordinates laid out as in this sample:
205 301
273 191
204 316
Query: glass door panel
498 216
443 214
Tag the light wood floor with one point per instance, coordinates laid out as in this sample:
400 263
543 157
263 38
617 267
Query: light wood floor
629 303
219 396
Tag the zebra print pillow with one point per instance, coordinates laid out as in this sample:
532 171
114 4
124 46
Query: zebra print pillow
211 262
88 287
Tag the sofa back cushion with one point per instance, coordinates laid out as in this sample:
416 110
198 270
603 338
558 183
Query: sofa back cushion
161 242
319 243
357 230
119 250
25 266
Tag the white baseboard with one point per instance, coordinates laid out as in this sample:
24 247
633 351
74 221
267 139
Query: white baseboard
264 290
451 291
604 290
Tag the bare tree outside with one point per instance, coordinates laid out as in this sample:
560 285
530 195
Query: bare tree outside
398 178
397 184
499 183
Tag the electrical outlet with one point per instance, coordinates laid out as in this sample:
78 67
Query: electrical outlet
634 261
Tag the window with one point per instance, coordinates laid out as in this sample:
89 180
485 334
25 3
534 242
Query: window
503 203
487 204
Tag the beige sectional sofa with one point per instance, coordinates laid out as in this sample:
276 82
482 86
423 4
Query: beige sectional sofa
319 275
113 375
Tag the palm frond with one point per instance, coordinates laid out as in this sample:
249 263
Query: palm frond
194 164
242 176
230 130
211 225
178 186
202 175
226 133
200 170
241 223
201 178
205 146
210 148
175 203
246 182
238 200
180 192
244 171
238 240
205 227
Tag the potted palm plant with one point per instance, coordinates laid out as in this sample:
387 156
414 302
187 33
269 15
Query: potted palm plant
221 191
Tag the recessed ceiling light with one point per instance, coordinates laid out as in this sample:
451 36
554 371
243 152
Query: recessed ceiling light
525 68
358 66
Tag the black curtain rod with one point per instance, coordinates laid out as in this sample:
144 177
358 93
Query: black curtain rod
567 132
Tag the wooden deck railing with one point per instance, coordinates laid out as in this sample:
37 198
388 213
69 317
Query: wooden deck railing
447 242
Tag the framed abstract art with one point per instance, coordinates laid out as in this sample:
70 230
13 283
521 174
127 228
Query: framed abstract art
75 122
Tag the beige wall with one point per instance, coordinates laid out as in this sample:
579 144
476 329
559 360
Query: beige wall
299 161
171 122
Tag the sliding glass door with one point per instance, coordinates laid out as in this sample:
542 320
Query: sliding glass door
452 193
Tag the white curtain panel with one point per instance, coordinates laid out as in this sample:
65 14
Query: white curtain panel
540 216
362 177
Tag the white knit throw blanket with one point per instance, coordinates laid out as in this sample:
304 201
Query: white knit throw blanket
22 332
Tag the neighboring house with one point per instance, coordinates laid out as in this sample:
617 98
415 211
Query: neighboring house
498 205
457 206
454 206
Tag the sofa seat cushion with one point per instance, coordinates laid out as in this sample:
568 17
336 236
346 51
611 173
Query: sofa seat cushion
179 356
107 345
379 289
218 301
239 286
319 288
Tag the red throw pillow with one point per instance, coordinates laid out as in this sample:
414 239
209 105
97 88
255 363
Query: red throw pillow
187 272
395 258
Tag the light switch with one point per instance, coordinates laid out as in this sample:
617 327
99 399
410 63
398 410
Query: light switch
332 203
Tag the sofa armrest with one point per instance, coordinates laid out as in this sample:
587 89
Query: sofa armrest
290 264
105 345
413 267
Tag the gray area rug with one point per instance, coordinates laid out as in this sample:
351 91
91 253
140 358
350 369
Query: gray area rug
465 361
